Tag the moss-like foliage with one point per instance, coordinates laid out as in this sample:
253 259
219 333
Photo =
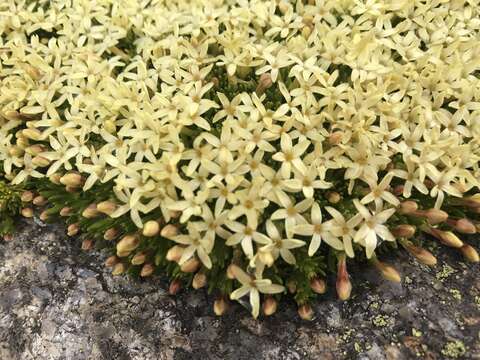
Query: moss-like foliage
248 146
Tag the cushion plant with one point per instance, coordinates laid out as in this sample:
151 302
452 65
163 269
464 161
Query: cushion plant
248 146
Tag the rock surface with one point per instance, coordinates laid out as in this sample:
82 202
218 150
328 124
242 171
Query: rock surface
58 302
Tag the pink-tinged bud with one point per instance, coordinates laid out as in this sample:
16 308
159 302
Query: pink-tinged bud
292 286
230 273
35 150
27 212
87 244
126 245
40 161
446 237
73 229
429 183
408 207
388 272
119 269
39 201
199 281
335 138
220 306
191 265
147 270
90 211
111 261
333 197
106 207
27 196
422 255
318 285
72 179
55 178
44 215
471 201
404 231
8 237
398 190
71 189
435 216
264 83
269 306
174 253
463 226
169 231
110 234
66 211
151 228
344 286
174 287
32 133
469 253
139 258
305 312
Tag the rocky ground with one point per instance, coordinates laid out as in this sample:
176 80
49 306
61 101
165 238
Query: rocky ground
58 302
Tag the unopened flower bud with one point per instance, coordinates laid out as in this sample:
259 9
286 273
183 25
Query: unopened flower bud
147 270
174 253
111 261
32 71
168 231
305 312
35 149
174 287
39 200
40 161
388 272
87 244
191 265
73 229
220 306
106 207
71 189
44 215
110 126
264 83
435 216
15 151
110 234
292 286
32 133
151 228
139 258
404 231
470 253
23 142
71 179
269 306
335 138
126 245
343 285
90 211
318 285
333 197
446 237
230 274
306 32
27 196
408 207
421 254
119 269
199 281
11 115
471 201
55 178
66 211
463 226
7 237
398 190
27 212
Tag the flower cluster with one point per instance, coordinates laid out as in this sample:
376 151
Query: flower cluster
259 136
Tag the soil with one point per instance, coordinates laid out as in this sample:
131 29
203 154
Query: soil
59 302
